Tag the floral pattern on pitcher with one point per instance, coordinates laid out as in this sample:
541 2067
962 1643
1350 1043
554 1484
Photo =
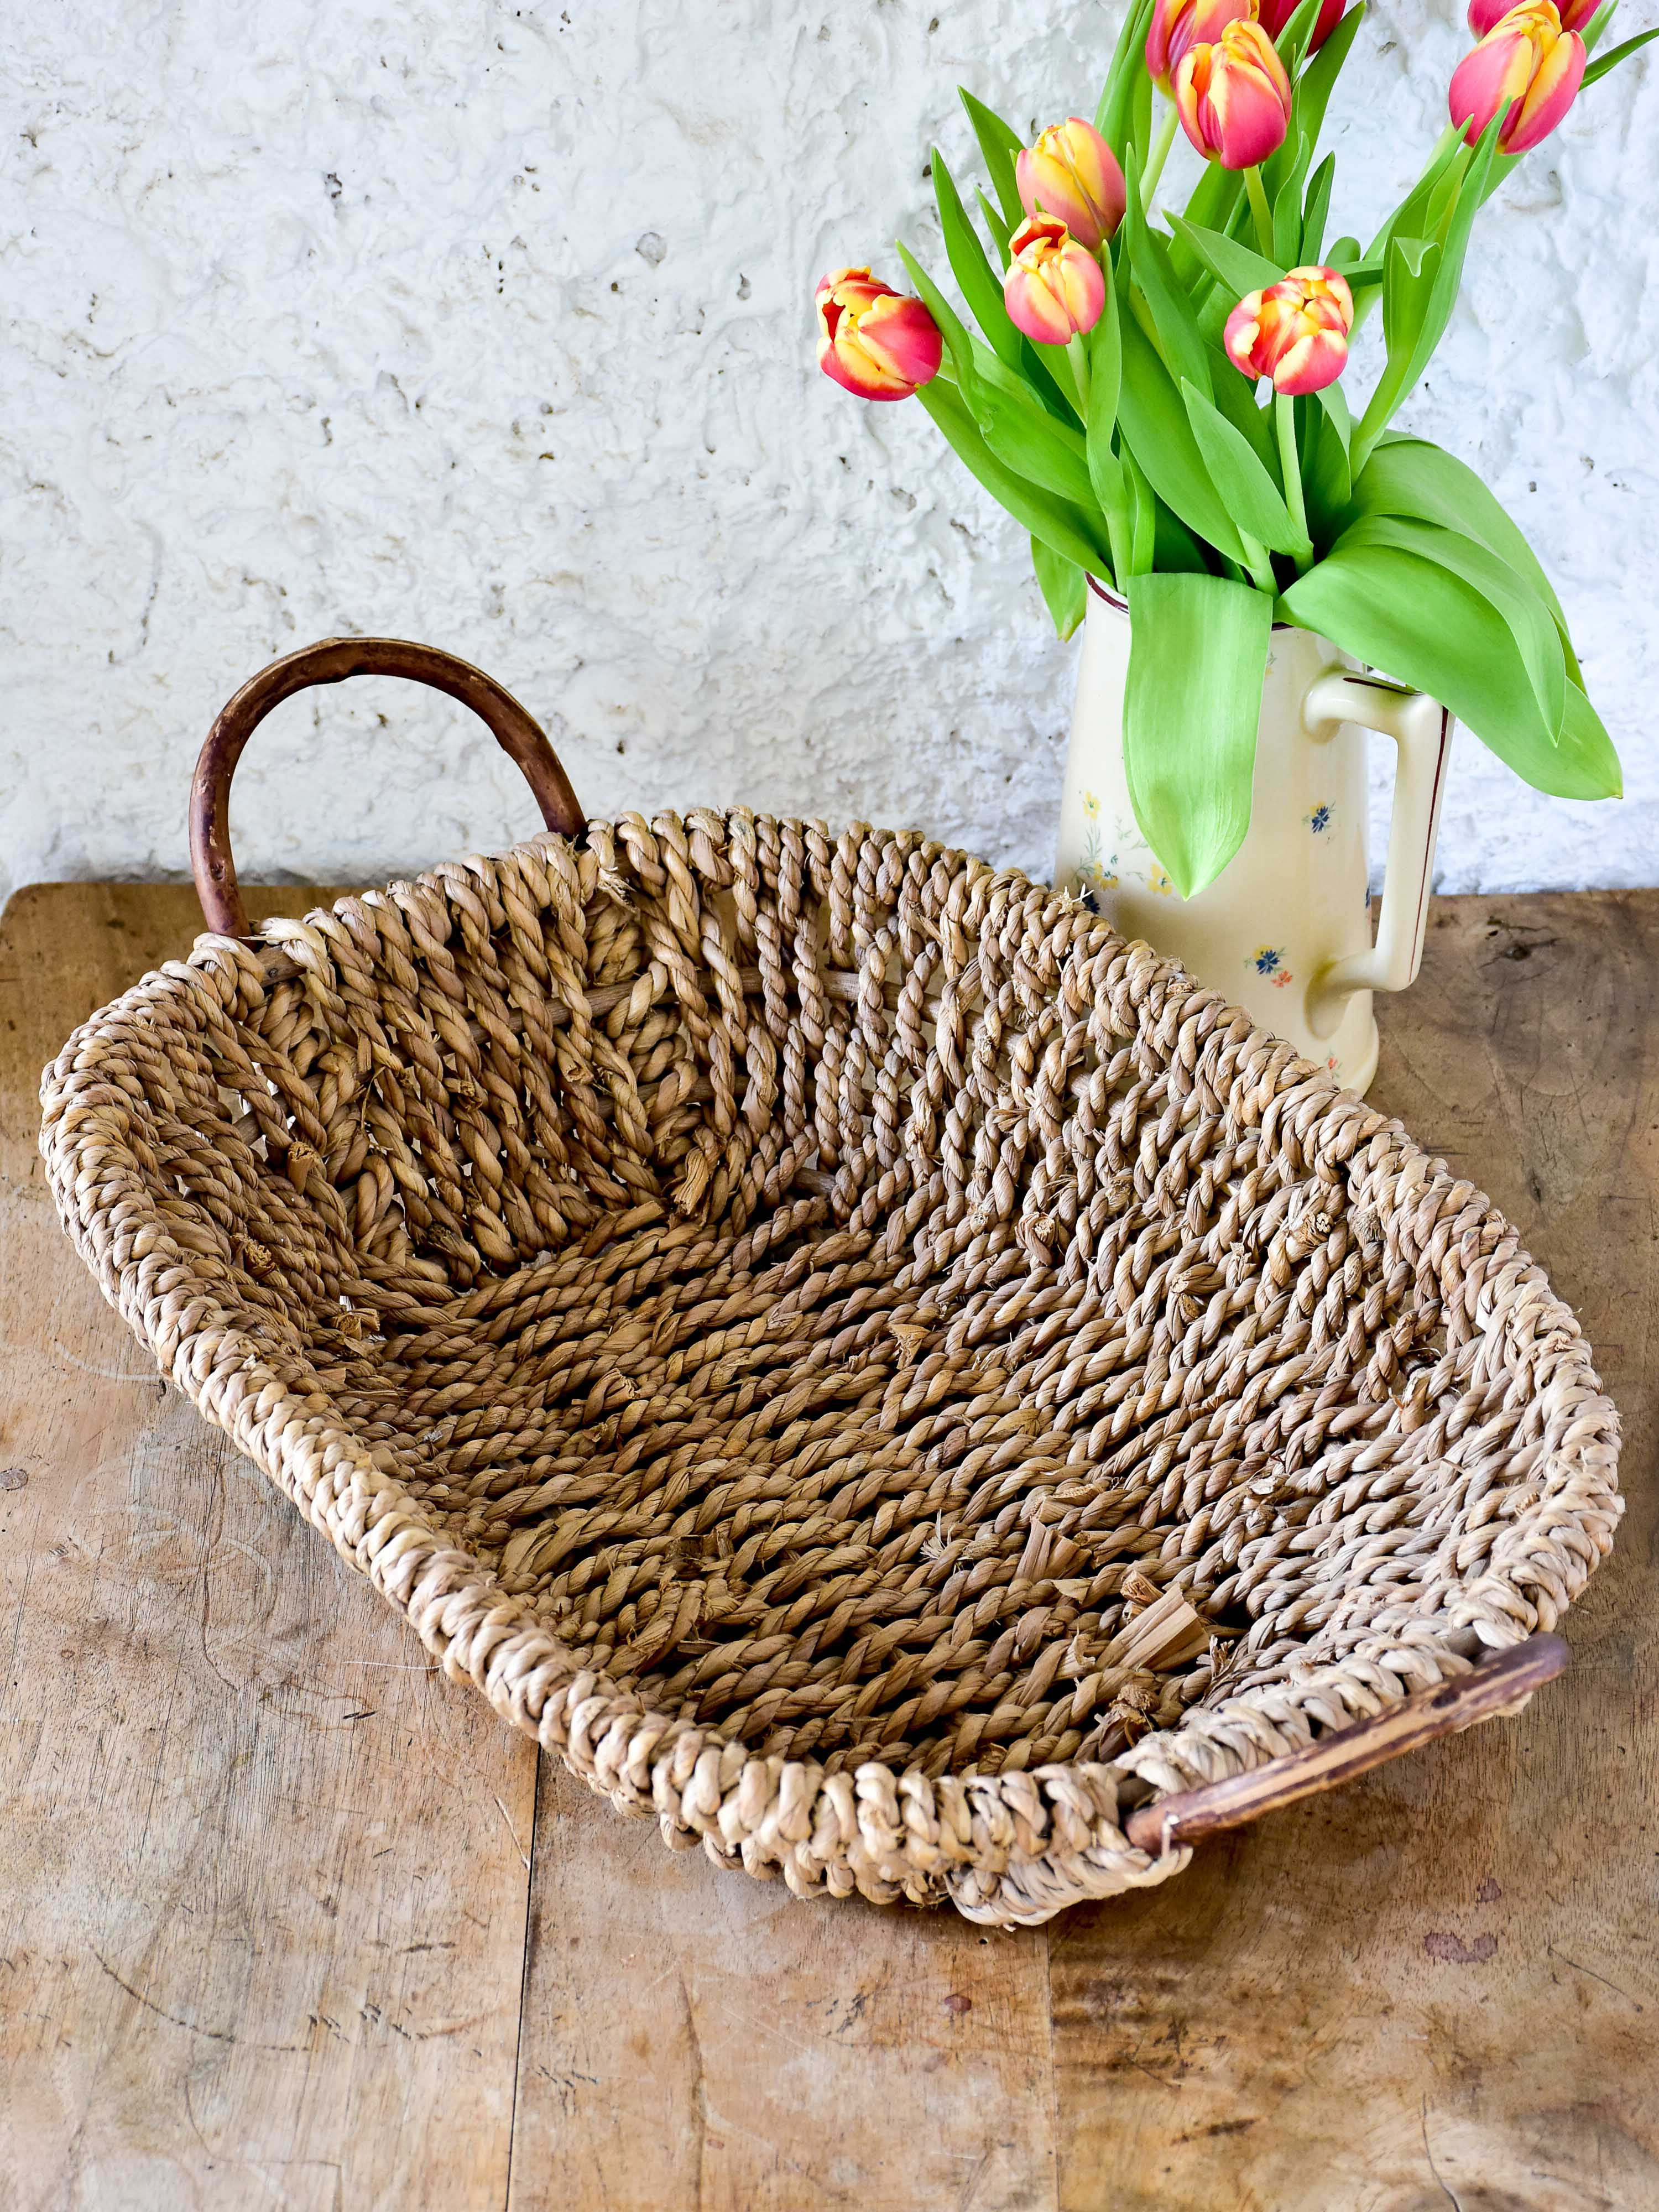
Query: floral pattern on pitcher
1268 961
1096 870
1321 819
1099 869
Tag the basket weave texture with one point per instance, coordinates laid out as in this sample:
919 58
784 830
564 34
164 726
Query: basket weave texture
783 1314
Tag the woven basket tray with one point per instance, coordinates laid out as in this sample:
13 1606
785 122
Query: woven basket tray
871 1369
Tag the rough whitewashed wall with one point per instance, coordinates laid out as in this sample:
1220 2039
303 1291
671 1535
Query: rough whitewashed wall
489 325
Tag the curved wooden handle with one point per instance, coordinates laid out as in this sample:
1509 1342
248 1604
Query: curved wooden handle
1498 1684
331 661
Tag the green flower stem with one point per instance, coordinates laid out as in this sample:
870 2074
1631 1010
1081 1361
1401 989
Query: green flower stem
1160 154
1285 422
1262 212
1260 564
1077 353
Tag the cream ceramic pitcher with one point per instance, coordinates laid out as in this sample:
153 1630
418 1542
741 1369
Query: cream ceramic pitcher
1284 930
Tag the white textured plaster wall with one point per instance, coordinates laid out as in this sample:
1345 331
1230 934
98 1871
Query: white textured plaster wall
488 324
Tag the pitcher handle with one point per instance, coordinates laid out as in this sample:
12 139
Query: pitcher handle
1421 730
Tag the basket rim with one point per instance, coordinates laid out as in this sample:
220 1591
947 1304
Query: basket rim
1007 1848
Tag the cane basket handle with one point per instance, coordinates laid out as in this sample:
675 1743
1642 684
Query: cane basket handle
1497 1685
331 661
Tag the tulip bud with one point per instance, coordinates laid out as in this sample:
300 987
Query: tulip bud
1486 15
1073 174
875 341
1054 290
1179 24
1234 98
1295 332
1276 14
1527 69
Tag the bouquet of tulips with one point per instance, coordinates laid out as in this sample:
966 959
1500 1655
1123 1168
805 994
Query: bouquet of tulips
1164 409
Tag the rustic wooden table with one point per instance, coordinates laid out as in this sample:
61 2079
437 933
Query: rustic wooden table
288 1920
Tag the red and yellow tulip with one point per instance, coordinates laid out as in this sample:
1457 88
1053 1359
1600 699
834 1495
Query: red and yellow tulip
1276 14
1234 97
1296 331
1073 174
1054 290
1178 25
875 341
1486 15
1527 70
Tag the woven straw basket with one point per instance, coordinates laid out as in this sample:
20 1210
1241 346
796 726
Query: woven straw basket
868 1366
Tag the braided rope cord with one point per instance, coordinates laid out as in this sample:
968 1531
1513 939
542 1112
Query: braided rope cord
769 1306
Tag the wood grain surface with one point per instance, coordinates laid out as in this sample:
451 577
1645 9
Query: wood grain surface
256 1945
1440 1988
266 1889
286 1920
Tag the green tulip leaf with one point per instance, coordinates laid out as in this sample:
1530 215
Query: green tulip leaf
1068 530
1409 273
1105 364
1407 218
1254 500
1327 473
1116 498
1586 744
1424 304
958 340
1287 206
1423 625
1599 24
1239 269
1442 197
1001 232
1331 400
1146 507
972 362
1106 474
1065 370
1124 116
1216 203
1054 387
1034 444
1325 441
1312 88
1235 396
1198 650
1175 551
1315 86
1292 41
1064 586
979 283
1410 476
982 287
1155 428
1167 300
1316 212
1000 144
1459 222
1599 68
1529 622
